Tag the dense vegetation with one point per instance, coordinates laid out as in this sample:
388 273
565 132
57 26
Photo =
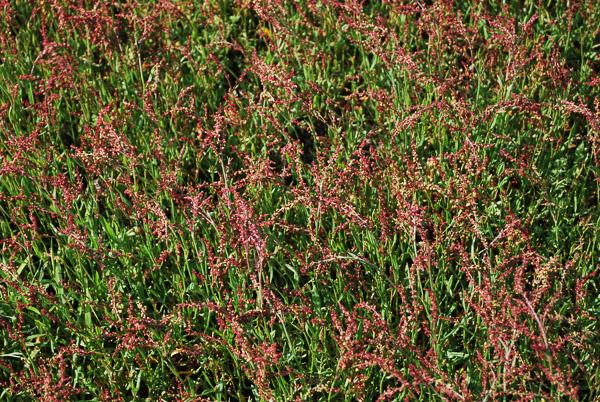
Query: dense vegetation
309 200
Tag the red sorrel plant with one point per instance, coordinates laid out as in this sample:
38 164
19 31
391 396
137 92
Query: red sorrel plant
299 200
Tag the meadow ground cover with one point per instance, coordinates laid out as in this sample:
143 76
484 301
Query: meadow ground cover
299 200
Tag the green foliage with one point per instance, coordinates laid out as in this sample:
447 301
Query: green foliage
256 200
